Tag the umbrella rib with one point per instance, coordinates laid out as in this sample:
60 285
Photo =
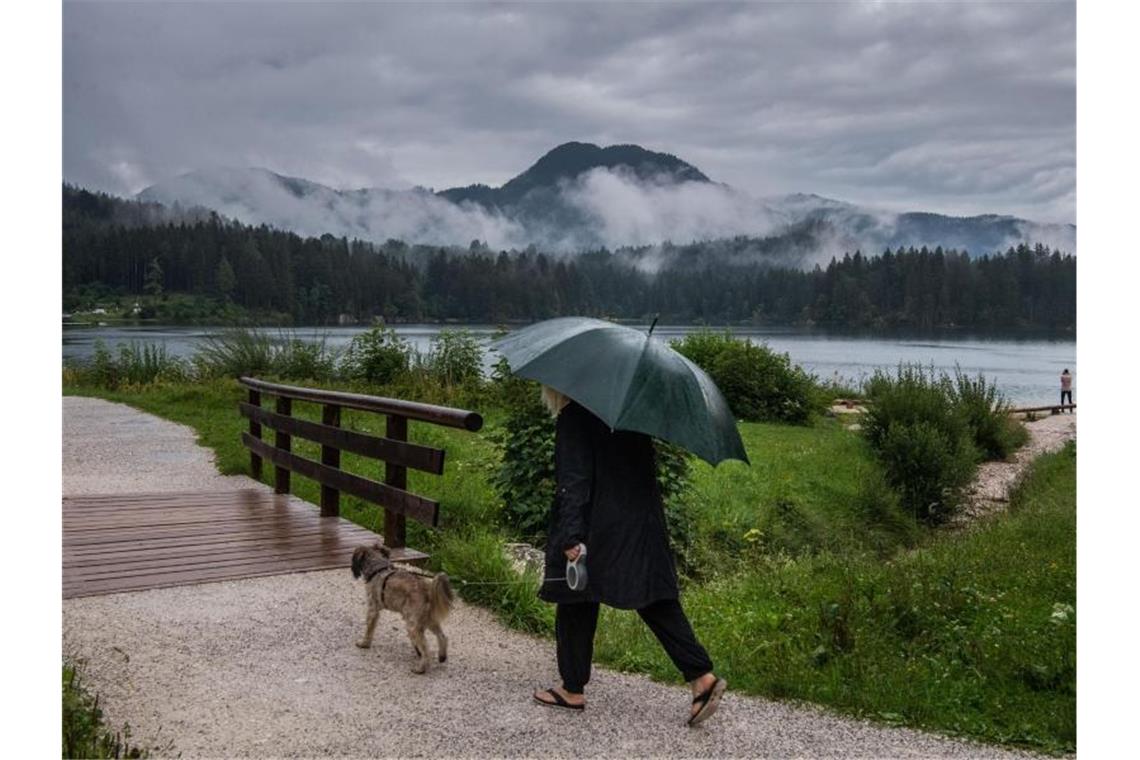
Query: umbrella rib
629 389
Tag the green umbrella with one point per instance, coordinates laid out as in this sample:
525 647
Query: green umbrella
629 379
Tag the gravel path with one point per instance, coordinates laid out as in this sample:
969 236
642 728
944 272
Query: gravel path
267 667
989 493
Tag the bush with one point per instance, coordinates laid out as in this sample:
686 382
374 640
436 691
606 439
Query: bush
298 359
378 356
758 383
136 364
673 480
927 467
986 413
525 477
922 439
234 353
455 357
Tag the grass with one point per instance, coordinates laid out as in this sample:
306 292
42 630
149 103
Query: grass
806 597
973 634
85 731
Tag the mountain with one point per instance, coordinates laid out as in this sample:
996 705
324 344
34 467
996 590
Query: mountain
570 161
581 196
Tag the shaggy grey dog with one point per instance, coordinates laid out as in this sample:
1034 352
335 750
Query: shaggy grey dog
423 605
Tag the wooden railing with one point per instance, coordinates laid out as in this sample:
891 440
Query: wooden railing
393 449
1051 408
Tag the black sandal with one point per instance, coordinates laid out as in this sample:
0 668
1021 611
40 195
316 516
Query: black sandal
558 701
708 700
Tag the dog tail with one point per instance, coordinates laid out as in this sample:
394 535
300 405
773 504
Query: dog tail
442 596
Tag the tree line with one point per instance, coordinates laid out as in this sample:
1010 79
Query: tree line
114 247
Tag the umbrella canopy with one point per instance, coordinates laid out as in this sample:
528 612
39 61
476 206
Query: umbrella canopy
629 379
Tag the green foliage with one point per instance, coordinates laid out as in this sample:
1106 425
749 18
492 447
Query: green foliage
84 731
927 467
525 476
973 634
673 469
234 353
455 357
921 438
295 359
378 356
136 364
986 413
474 557
929 430
758 383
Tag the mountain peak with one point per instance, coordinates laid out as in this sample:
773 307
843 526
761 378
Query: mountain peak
571 160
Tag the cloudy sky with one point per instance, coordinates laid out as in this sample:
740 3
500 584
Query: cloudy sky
959 108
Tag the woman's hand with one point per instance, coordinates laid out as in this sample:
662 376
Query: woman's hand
573 552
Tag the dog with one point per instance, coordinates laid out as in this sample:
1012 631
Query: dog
424 605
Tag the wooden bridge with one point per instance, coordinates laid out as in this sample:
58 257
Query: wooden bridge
131 542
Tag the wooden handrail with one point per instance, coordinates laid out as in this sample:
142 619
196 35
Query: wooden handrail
1054 408
393 449
413 410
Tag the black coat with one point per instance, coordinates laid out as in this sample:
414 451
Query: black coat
607 497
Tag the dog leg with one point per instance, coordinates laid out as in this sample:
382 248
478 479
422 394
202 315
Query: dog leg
416 634
369 625
440 640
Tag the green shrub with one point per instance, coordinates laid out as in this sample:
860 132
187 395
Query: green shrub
928 468
922 439
378 356
233 353
136 364
525 477
298 359
455 357
986 413
675 484
758 383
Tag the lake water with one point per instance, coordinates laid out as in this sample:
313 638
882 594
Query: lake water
1026 370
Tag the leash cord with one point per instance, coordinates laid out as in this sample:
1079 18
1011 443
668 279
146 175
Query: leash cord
462 582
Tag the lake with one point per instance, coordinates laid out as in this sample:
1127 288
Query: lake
1026 370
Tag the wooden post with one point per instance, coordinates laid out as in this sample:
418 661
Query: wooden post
330 455
395 529
255 431
283 441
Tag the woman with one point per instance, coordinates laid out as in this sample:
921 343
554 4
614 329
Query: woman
607 499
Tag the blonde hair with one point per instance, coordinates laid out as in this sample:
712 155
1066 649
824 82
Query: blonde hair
554 400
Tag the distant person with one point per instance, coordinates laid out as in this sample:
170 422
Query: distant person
608 500
1066 387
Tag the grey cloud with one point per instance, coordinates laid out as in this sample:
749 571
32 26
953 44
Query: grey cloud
952 107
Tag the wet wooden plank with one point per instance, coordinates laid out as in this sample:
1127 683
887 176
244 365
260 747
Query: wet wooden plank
132 542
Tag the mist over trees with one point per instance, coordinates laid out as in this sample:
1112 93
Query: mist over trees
133 249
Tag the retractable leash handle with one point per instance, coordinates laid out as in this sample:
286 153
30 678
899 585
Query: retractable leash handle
576 576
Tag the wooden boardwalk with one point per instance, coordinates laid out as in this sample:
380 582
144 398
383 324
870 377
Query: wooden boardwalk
132 542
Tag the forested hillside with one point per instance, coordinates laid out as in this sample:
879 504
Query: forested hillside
115 247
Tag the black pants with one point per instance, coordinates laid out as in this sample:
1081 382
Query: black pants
1066 394
574 626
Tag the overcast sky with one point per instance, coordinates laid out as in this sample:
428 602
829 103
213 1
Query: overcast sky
960 108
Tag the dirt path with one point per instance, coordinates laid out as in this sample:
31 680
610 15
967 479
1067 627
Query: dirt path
266 666
990 490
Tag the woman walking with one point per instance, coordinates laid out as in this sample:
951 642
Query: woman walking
607 500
